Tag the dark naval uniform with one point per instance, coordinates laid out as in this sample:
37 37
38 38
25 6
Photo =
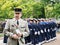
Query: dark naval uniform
41 24
5 37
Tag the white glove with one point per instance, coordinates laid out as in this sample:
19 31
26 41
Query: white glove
35 33
42 31
48 30
38 32
45 30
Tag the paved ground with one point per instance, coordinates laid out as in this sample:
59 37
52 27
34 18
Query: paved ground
56 42
1 42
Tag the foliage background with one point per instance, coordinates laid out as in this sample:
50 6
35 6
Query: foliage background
31 8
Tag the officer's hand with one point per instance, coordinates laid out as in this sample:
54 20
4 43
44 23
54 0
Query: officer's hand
20 35
14 36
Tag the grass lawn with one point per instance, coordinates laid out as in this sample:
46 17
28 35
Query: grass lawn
1 34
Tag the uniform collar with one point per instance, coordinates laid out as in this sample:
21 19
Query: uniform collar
18 20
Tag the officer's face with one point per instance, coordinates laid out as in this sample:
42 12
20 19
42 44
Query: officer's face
17 14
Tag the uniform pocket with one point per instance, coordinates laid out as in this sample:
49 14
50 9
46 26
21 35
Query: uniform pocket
23 28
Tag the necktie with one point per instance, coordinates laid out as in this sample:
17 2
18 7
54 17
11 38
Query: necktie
17 22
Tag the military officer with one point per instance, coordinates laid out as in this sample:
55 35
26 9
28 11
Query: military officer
47 35
41 24
53 29
35 31
18 29
30 39
50 28
39 32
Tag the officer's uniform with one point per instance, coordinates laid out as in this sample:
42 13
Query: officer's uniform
47 31
54 28
41 25
35 33
23 29
39 34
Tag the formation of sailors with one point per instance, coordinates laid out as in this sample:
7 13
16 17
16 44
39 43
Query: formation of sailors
41 31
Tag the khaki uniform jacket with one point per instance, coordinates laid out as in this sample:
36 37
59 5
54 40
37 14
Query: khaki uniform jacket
23 28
